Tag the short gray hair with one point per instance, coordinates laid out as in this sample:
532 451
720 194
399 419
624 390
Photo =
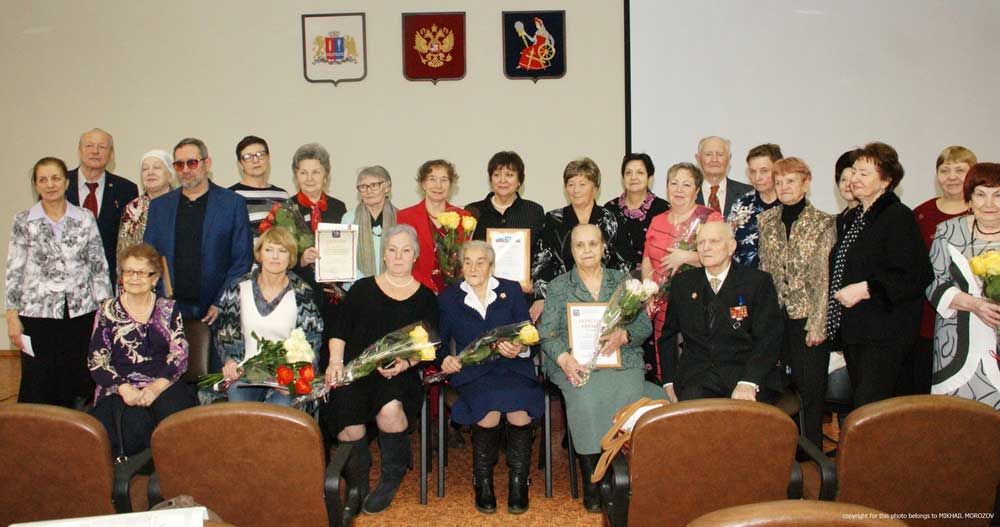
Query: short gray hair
729 145
312 151
401 228
195 142
375 171
480 245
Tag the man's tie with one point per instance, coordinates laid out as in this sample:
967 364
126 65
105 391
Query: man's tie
91 202
715 283
713 199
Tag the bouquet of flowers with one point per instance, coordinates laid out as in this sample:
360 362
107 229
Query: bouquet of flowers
628 300
485 347
286 364
687 241
287 216
458 229
987 267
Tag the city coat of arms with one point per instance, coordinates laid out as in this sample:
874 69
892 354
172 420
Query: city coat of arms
334 48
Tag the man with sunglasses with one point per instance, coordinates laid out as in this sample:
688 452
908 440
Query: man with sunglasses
254 158
203 231
104 194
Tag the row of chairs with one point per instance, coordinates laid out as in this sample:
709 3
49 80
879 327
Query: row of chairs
925 456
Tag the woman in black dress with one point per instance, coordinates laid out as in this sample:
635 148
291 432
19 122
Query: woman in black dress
374 307
636 206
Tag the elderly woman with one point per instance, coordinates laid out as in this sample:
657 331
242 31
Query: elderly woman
965 363
953 163
554 256
842 176
436 178
157 179
374 307
507 386
795 242
373 215
636 207
878 271
269 302
137 355
746 209
590 408
57 275
670 241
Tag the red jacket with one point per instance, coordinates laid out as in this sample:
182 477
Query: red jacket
425 269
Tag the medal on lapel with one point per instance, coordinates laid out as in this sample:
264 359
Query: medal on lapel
738 313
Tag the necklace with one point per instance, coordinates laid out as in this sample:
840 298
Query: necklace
975 226
146 309
400 286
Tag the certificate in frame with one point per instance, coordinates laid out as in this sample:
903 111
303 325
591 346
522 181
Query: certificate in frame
513 253
337 244
583 321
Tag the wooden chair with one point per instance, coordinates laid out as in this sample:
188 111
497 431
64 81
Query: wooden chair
199 337
57 464
693 457
797 513
251 463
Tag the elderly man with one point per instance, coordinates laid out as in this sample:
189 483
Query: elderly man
254 158
731 326
717 191
203 231
101 192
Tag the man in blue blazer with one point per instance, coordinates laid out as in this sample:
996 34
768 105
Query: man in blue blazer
203 231
110 192
713 158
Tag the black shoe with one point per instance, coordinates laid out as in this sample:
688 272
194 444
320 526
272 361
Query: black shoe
395 450
591 491
519 461
485 451
456 438
356 477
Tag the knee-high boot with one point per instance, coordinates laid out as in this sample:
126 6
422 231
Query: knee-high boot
591 491
519 463
485 451
356 476
395 450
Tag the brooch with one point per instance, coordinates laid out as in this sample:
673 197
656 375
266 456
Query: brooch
694 296
503 295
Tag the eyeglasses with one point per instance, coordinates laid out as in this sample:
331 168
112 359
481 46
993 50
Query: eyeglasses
134 273
365 187
254 155
190 163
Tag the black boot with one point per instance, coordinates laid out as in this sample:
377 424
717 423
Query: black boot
356 476
519 462
591 491
395 450
485 451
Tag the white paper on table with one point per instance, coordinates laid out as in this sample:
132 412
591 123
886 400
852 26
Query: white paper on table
183 517
583 321
337 244
836 362
26 346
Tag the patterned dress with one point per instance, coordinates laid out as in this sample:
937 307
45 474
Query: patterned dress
965 357
743 218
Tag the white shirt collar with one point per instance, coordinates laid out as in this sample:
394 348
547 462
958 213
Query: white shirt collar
721 276
72 211
81 182
472 300
706 190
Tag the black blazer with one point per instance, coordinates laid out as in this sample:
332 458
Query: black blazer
891 256
748 352
118 192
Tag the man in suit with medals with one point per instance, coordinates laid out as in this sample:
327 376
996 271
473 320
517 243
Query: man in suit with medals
728 318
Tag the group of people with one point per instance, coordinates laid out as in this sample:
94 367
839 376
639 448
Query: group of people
103 282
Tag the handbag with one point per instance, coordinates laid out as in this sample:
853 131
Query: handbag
620 433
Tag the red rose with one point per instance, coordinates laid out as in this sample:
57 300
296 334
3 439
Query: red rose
306 372
284 375
302 386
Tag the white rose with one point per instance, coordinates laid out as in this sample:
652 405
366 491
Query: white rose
650 287
297 348
633 286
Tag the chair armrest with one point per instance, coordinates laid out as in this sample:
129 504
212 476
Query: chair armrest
615 493
334 506
796 482
141 463
827 470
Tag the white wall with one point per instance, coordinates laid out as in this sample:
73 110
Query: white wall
817 77
154 72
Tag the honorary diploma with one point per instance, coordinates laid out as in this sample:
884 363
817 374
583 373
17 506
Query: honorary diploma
337 245
513 253
583 321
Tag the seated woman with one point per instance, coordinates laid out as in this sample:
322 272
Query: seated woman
372 308
137 354
590 409
506 386
270 302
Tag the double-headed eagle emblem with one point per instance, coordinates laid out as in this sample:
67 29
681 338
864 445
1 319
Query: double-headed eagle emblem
434 45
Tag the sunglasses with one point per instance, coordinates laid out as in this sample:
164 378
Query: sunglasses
191 164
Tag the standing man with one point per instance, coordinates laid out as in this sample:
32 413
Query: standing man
743 216
203 232
729 318
717 191
254 158
102 193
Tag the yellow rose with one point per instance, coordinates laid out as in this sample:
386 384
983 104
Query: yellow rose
449 220
418 335
993 263
528 335
978 265
427 352
468 224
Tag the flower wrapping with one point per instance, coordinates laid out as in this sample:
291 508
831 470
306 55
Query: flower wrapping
458 229
277 364
287 216
484 348
687 241
626 302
